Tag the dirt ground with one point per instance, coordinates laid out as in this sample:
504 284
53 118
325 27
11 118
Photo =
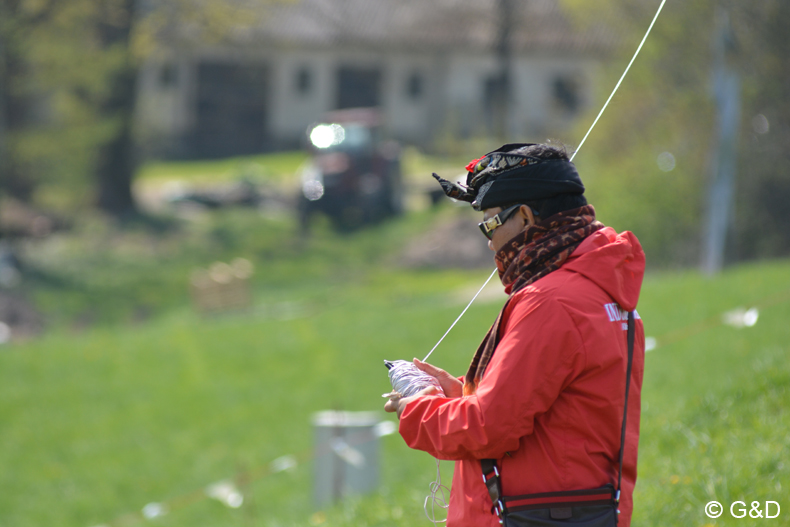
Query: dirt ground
454 241
18 318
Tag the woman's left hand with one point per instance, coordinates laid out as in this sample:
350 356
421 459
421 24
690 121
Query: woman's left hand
398 403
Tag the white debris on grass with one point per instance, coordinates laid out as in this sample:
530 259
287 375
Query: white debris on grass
226 493
282 464
154 510
741 318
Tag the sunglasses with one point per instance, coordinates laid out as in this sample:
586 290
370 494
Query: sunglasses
493 223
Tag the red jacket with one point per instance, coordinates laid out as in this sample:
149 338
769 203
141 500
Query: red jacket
552 396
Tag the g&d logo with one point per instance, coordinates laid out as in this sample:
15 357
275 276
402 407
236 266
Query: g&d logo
738 509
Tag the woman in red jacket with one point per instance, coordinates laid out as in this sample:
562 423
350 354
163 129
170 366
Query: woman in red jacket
545 392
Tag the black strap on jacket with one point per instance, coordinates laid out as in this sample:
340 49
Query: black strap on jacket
489 466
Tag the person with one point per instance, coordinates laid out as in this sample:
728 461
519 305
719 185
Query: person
544 394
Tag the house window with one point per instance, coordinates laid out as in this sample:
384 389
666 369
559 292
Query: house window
566 93
492 90
494 102
358 87
414 86
304 81
168 76
231 109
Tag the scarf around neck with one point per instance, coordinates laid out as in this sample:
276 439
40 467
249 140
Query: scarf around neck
532 254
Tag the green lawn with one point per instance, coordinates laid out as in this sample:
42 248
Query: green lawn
279 168
95 425
271 167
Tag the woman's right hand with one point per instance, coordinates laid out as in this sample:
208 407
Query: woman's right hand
452 387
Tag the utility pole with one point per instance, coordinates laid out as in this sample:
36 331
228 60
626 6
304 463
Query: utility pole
3 88
727 93
116 158
504 54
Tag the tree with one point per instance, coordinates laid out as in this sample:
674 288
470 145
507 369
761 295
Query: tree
761 223
16 101
649 159
54 82
68 71
122 26
115 164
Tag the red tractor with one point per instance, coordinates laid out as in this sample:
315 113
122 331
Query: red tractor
354 175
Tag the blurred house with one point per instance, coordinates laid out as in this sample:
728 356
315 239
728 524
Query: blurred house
433 68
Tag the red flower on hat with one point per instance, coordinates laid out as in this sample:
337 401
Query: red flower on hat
472 164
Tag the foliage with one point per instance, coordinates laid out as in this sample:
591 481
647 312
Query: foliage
68 71
761 222
665 106
98 273
273 168
52 139
659 108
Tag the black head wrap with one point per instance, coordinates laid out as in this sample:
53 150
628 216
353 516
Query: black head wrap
509 175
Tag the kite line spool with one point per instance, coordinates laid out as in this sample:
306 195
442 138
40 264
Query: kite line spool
407 380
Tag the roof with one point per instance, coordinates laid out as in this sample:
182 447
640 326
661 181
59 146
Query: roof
428 25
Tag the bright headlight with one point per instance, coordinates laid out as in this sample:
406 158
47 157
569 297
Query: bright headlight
326 135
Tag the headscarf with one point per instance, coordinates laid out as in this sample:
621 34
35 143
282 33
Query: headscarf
509 175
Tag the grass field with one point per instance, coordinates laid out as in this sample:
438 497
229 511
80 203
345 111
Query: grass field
281 169
94 425
262 167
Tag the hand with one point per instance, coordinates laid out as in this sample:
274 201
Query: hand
398 403
452 387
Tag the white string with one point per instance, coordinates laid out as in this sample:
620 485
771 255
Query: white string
437 487
621 79
459 316
441 502
617 86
